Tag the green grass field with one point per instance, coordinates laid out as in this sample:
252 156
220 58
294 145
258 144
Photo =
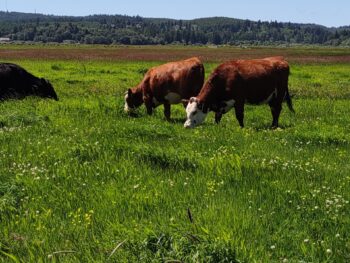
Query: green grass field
80 181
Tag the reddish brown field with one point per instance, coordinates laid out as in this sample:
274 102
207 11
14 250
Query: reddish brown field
171 53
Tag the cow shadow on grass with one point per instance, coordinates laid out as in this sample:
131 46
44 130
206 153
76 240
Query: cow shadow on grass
268 127
139 115
134 115
177 120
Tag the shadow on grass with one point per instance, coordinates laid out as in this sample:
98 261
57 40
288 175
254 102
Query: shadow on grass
177 120
267 127
135 115
138 115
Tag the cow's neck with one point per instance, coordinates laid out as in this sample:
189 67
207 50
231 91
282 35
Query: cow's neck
208 97
137 89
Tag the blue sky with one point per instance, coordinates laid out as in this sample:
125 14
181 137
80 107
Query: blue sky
324 12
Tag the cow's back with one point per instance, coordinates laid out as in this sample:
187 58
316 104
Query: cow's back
10 79
261 68
183 77
14 80
251 80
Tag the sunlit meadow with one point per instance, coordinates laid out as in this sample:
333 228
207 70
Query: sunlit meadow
80 181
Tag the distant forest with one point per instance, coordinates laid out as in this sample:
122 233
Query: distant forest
135 30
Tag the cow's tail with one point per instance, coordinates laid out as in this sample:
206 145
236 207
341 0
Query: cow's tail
289 102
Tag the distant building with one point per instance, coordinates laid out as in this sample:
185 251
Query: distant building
68 41
4 39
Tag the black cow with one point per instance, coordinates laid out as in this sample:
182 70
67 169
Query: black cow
17 83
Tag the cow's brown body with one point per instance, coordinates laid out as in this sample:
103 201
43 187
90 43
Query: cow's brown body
234 83
167 84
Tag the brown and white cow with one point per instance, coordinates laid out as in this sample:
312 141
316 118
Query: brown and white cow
234 83
167 84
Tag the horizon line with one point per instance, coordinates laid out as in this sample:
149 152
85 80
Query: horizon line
178 19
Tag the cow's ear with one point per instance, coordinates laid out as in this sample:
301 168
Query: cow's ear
185 102
129 92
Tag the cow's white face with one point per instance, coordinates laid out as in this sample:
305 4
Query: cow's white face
195 114
127 109
133 100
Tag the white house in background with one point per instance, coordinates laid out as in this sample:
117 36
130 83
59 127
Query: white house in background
4 39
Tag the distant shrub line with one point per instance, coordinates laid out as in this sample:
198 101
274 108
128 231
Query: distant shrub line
117 29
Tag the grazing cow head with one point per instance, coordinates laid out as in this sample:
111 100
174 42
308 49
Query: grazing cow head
196 113
44 89
133 100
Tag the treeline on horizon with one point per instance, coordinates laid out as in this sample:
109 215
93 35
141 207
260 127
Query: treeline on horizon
135 30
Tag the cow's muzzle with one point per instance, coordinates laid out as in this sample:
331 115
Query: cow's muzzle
188 124
128 109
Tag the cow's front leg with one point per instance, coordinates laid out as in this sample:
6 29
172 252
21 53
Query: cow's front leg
239 110
218 116
149 105
167 111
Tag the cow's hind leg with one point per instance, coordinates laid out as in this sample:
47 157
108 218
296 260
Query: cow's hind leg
167 111
239 110
276 108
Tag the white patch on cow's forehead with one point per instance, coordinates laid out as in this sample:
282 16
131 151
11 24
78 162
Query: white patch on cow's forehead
173 98
191 107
